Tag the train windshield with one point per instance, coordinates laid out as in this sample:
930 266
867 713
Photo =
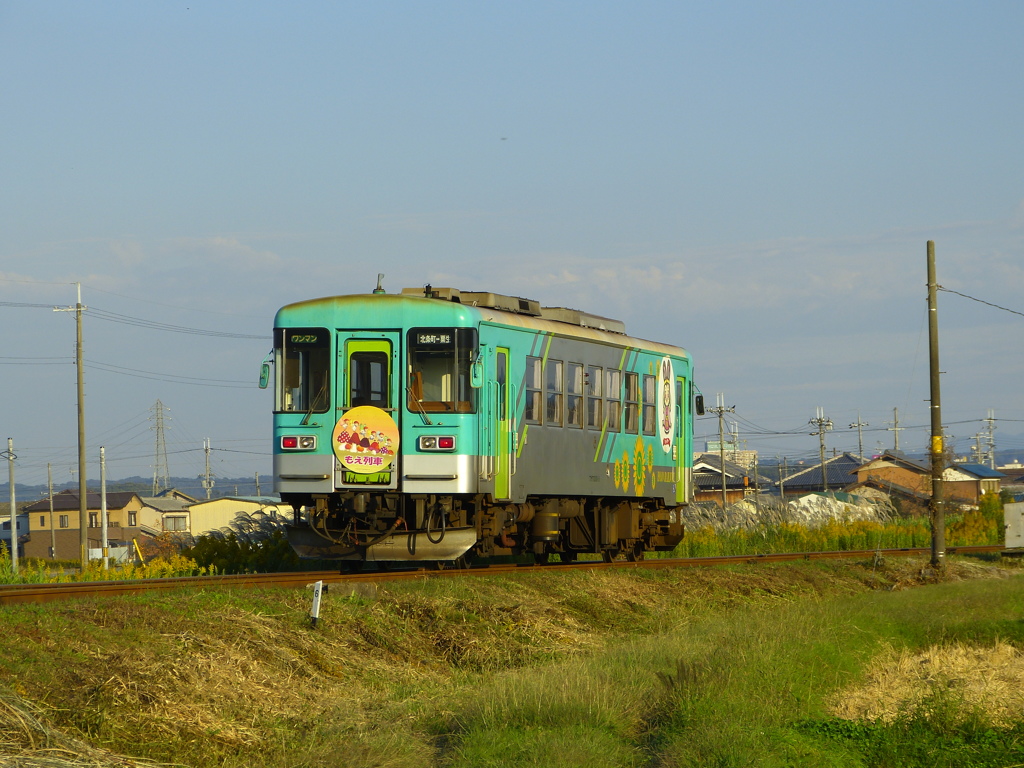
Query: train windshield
302 359
439 370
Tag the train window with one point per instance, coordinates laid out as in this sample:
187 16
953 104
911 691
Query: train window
368 379
439 370
574 395
302 360
595 405
613 390
632 407
650 406
553 376
531 411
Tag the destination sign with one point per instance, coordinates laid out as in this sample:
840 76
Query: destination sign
434 339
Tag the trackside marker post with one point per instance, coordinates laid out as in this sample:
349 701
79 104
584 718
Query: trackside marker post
318 591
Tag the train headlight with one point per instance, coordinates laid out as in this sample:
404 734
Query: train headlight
298 443
439 443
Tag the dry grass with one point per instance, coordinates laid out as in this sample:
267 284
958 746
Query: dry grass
987 679
27 741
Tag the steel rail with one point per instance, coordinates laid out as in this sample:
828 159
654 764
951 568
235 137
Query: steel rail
38 593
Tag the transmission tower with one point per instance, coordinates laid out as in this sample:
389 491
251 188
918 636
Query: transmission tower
161 476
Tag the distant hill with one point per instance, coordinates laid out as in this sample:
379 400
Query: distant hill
193 486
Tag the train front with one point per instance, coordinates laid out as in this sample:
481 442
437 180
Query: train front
374 426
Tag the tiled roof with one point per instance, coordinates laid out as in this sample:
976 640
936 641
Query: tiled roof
980 470
69 501
838 473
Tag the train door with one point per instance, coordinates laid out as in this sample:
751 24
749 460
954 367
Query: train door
680 448
366 436
503 430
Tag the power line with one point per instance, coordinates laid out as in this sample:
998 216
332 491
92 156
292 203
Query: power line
139 322
980 301
171 378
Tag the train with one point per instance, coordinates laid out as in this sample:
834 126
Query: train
440 426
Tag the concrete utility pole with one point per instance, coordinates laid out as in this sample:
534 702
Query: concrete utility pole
104 545
14 507
721 410
896 428
53 534
859 425
83 498
824 425
937 452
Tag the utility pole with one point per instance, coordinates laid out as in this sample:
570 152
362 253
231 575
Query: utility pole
14 507
896 428
721 410
258 495
757 488
53 534
824 425
938 457
208 481
83 499
859 425
783 471
104 545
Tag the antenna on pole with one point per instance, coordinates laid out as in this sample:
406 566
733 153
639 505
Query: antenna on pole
207 480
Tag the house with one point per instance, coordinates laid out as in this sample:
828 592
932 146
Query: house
971 481
20 524
892 468
707 479
59 535
216 514
173 508
838 473
964 483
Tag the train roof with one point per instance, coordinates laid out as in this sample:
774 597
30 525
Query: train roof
509 310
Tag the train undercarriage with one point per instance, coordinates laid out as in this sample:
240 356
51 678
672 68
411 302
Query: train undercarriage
385 527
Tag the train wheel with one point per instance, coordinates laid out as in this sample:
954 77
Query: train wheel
636 553
609 555
568 556
541 558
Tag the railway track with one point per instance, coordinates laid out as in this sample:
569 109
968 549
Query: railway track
39 593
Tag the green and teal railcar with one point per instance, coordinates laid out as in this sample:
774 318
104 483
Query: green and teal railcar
439 425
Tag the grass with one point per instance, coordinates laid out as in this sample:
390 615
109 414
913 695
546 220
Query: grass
737 666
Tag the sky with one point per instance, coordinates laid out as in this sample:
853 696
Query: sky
755 182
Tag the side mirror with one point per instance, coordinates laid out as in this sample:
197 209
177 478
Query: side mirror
265 371
476 374
698 404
